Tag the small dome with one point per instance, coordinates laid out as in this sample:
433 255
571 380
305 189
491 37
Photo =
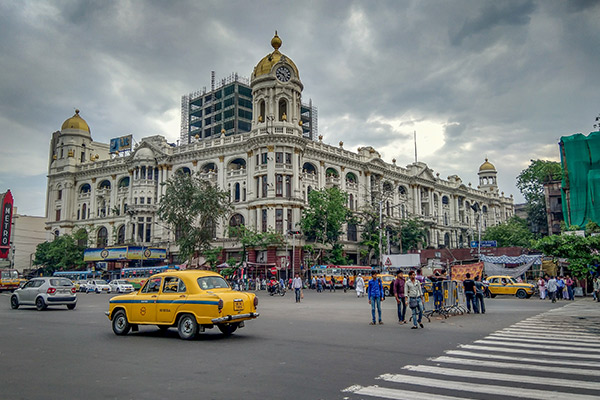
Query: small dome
144 154
266 64
487 166
76 122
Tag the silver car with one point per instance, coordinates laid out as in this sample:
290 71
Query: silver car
120 286
45 291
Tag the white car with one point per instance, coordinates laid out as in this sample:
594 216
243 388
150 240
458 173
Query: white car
98 286
121 286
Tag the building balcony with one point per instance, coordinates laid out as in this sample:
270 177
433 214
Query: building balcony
332 181
351 185
309 178
209 176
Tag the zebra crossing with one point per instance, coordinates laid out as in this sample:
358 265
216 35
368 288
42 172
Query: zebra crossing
553 355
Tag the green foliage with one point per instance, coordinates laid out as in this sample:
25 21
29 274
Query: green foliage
211 256
195 207
513 232
63 253
326 213
336 255
413 234
253 238
531 184
581 252
592 227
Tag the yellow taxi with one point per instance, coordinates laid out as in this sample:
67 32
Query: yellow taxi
191 301
504 284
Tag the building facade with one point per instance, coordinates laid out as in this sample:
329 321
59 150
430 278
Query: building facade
268 172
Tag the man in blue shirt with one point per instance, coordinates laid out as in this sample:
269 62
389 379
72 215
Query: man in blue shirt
376 295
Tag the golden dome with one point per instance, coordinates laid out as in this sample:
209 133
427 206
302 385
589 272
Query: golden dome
76 122
487 166
266 64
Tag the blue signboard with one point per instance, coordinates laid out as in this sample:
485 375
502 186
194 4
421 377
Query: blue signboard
484 243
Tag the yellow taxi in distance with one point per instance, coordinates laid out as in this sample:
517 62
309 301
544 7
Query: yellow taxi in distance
190 300
504 284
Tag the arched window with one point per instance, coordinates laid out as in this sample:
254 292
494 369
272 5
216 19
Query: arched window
236 220
210 167
351 177
351 201
447 240
283 110
123 182
445 200
236 195
261 111
102 239
387 187
484 209
332 172
121 235
402 190
352 236
238 163
105 184
85 188
309 168
56 234
183 170
84 211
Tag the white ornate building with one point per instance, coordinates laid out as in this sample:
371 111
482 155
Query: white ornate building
268 172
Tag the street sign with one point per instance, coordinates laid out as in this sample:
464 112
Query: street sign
274 271
484 243
388 262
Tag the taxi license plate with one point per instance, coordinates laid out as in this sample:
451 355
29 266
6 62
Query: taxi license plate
238 305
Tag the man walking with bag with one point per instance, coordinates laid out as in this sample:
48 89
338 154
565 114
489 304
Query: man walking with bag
297 286
414 294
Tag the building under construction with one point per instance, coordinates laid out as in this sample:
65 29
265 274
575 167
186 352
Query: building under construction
227 110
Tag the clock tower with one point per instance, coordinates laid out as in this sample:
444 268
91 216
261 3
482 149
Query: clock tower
276 93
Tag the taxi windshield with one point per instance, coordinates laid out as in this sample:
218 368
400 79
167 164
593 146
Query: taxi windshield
212 282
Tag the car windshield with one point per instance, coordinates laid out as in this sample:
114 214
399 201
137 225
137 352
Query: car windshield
212 282
61 282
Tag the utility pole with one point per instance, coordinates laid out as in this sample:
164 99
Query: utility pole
380 234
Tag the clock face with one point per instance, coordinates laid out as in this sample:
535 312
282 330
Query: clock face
283 74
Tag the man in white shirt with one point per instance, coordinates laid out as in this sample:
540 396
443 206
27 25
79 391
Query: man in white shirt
297 286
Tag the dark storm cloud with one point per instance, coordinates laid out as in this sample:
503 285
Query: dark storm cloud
473 78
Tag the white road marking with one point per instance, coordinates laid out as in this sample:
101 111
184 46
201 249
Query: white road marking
397 394
525 351
549 332
514 365
547 335
573 347
479 388
503 377
564 361
499 336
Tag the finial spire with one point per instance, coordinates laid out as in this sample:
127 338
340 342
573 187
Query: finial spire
276 42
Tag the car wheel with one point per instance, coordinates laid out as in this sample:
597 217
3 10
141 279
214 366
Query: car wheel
386 292
521 294
97 291
14 302
187 327
40 304
71 306
118 290
492 295
227 329
120 325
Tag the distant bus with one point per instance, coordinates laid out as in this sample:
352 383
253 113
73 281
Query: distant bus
79 275
138 276
9 279
339 271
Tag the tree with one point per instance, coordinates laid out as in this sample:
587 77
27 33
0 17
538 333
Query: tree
413 234
251 238
195 207
581 252
531 184
513 232
323 218
63 253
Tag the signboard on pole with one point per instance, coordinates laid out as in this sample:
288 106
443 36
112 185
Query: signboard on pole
484 243
6 224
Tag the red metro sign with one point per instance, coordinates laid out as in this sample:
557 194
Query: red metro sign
6 224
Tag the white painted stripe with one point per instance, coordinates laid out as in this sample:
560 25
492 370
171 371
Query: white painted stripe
545 336
573 347
514 365
524 351
499 336
551 327
487 389
549 334
397 394
557 333
536 380
564 361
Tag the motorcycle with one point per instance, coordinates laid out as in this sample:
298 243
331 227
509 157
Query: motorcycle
276 289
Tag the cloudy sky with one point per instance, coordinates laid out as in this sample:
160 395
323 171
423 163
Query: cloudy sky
502 79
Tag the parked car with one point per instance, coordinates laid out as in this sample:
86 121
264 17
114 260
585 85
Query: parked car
81 285
45 291
120 286
98 286
503 284
191 301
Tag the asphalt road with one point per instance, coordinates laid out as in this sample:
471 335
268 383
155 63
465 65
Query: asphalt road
311 350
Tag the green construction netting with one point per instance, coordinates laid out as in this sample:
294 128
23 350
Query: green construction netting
580 159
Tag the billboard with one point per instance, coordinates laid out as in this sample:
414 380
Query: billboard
124 253
6 224
120 144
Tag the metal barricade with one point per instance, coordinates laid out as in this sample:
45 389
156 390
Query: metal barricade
454 297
